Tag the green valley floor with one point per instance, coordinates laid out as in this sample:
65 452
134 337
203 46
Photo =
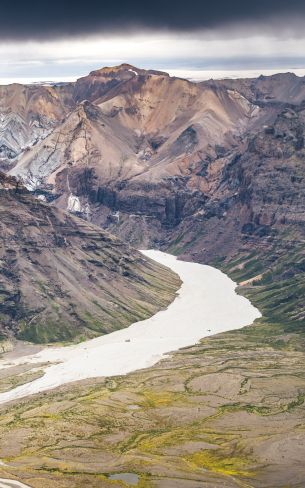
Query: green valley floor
228 412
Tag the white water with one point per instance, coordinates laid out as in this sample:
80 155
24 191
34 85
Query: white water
206 304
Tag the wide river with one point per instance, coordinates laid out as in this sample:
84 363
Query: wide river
206 304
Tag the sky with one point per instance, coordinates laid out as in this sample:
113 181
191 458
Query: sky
67 39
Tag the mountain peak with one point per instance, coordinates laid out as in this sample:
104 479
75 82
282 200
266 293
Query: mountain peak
100 81
109 71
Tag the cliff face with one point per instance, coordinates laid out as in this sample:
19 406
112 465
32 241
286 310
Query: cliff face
61 277
252 223
260 188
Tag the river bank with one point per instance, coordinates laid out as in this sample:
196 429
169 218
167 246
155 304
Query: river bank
206 304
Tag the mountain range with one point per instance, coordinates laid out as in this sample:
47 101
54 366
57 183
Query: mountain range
212 171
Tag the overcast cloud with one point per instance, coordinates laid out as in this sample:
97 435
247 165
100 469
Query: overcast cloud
67 39
75 57
62 18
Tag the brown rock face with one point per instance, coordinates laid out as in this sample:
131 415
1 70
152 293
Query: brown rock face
61 277
260 191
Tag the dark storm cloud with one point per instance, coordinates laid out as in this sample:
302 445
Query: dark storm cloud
40 19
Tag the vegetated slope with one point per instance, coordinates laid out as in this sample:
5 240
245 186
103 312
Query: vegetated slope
227 412
63 278
253 224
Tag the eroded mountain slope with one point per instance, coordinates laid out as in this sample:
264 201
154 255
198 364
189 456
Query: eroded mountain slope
27 115
61 277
